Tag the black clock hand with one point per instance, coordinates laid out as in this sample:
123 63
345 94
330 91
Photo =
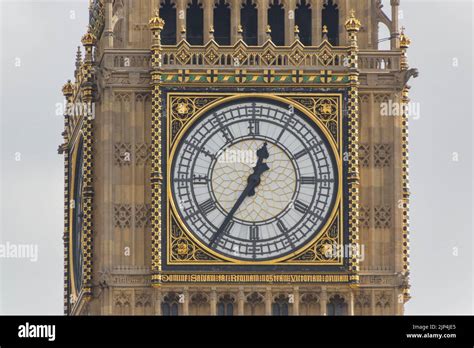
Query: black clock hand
252 182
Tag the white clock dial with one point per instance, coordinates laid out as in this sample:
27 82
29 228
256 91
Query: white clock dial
254 180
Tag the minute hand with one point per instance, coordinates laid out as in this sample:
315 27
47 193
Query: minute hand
252 182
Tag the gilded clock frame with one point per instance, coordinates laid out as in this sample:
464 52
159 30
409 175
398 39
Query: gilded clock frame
336 217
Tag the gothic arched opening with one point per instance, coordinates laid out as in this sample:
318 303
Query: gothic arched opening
337 306
276 20
168 13
225 306
222 23
194 23
280 306
303 21
249 22
331 21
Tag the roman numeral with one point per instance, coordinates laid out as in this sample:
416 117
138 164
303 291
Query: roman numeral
301 153
200 179
301 207
228 228
281 226
254 127
208 206
308 180
254 233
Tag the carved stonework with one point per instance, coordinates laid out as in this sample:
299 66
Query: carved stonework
142 153
362 299
143 299
122 215
255 299
123 154
382 155
122 298
364 216
309 299
383 217
142 215
364 155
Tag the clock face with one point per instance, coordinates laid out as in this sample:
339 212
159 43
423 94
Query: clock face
254 180
76 206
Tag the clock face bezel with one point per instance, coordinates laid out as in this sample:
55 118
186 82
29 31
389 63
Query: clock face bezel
312 120
76 180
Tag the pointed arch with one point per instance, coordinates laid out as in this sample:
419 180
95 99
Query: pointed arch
276 21
330 15
303 19
194 23
337 305
222 22
249 22
168 13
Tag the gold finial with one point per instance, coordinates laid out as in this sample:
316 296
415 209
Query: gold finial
211 29
297 29
68 89
240 30
405 41
353 24
88 39
156 23
183 29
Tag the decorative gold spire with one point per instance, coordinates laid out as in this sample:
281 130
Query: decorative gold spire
68 89
183 32
156 23
353 24
88 39
297 32
405 41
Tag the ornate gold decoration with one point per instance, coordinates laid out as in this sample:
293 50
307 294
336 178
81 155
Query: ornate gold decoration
353 26
156 25
183 249
326 109
183 108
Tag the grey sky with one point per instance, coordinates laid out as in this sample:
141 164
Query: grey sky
43 35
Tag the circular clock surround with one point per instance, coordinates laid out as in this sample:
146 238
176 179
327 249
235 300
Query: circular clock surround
76 215
212 166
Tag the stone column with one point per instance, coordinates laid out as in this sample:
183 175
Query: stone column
241 302
262 7
296 301
343 14
316 22
324 301
236 5
185 304
351 303
158 300
208 18
109 32
289 6
181 6
395 42
213 302
268 302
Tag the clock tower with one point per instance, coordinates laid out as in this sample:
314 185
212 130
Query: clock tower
244 157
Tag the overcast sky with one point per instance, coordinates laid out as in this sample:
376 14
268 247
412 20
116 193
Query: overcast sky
38 40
